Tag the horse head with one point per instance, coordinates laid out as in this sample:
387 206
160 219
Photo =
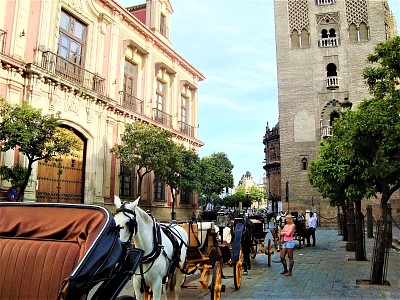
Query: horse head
125 218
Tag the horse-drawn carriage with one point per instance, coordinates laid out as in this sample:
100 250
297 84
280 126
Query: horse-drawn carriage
214 243
262 237
61 251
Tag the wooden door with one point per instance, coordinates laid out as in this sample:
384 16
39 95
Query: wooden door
62 178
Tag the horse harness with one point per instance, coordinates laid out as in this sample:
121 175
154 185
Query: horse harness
176 240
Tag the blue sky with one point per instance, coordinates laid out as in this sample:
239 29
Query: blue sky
232 42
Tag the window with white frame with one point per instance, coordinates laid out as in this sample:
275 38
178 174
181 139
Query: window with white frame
71 42
159 190
184 109
163 25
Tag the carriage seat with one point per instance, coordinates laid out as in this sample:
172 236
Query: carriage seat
41 246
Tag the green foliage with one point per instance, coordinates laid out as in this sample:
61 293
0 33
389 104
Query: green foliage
15 174
181 170
37 136
215 174
381 78
146 147
256 194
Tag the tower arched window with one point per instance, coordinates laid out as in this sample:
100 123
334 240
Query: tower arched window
305 40
331 70
304 164
332 32
363 32
324 33
295 39
333 116
332 80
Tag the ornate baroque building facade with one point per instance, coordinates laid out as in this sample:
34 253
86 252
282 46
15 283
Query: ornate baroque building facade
321 48
272 167
100 66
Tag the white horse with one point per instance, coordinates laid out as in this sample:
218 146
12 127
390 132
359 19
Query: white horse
161 269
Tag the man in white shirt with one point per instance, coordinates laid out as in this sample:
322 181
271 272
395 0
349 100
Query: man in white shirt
311 229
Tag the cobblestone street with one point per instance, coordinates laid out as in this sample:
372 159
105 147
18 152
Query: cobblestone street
326 271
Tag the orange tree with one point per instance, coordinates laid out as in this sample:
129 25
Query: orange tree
145 147
35 135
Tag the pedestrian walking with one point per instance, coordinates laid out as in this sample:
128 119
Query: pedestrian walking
288 245
311 229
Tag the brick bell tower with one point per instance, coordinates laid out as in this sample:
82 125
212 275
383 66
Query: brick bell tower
321 47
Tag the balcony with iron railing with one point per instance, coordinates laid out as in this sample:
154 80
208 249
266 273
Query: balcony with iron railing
3 39
186 129
325 2
162 118
131 103
328 42
332 82
326 131
61 67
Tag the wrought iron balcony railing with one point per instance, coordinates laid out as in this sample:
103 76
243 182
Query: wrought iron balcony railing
74 73
186 129
161 117
131 103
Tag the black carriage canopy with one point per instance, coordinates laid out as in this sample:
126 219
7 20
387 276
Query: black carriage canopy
52 251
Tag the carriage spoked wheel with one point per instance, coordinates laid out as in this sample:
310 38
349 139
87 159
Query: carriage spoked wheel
269 252
216 282
238 270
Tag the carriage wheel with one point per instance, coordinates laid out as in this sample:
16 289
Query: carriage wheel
216 283
269 253
238 270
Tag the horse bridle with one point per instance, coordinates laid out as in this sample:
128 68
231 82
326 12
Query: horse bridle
132 223
133 228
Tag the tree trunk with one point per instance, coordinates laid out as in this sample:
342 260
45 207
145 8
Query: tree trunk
382 235
359 220
351 226
20 195
173 213
140 180
345 229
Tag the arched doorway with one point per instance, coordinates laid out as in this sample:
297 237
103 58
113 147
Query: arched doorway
62 178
